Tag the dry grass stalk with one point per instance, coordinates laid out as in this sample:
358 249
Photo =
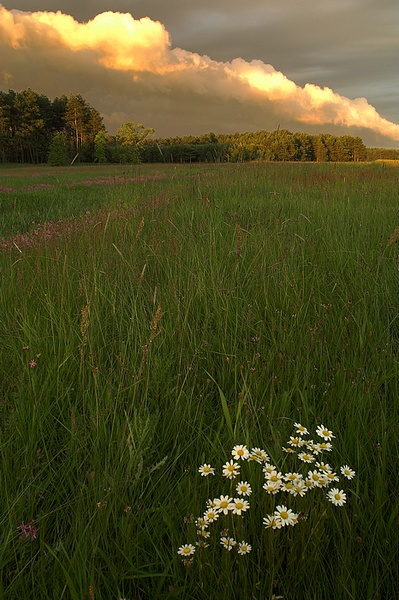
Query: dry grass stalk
155 331
84 322
394 237
140 229
238 240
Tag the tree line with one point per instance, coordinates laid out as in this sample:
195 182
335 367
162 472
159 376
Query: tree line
35 129
279 145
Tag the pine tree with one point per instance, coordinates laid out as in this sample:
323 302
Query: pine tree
58 155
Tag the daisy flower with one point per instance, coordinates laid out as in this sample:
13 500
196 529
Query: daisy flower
325 433
272 522
286 515
274 477
240 452
269 468
206 470
309 484
230 469
272 487
330 477
259 455
243 488
293 476
306 457
296 442
337 497
288 487
239 506
203 533
309 444
300 429
186 550
222 504
323 467
324 481
288 450
211 515
347 472
322 447
300 488
314 477
201 522
244 548
228 543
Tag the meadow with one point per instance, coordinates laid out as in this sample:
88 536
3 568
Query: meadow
153 318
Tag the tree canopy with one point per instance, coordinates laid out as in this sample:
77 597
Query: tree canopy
35 129
29 123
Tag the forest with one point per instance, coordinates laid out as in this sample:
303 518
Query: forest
37 130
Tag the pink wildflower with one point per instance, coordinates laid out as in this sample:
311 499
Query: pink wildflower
28 530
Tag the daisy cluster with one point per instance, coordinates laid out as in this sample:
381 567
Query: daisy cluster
311 472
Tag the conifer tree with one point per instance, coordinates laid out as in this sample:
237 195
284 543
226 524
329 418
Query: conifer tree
58 155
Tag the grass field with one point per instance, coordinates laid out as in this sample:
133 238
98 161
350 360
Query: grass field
152 318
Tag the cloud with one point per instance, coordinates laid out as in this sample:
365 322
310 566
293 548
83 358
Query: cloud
128 69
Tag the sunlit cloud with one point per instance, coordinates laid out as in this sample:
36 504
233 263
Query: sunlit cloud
129 70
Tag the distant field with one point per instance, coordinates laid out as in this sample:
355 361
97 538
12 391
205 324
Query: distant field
155 316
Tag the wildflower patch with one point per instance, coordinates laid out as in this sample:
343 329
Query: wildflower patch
224 518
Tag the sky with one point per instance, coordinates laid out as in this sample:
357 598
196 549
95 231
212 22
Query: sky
186 67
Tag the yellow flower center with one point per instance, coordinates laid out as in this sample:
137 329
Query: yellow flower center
284 515
337 496
223 504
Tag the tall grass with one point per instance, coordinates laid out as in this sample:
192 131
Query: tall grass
207 307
